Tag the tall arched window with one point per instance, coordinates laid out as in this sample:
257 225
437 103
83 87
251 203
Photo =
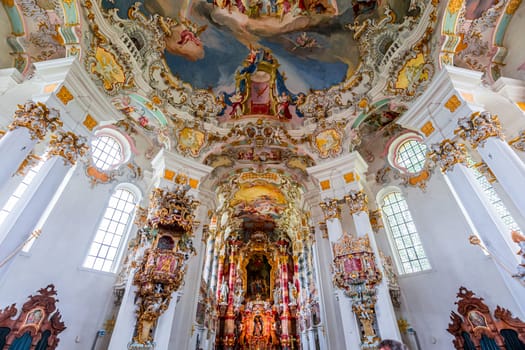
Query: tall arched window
104 251
410 255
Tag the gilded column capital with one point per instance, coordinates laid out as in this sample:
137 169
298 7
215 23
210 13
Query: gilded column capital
331 209
68 145
518 143
357 201
448 153
479 127
37 118
29 162
324 229
376 219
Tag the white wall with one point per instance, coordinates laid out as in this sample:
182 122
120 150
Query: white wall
57 257
428 297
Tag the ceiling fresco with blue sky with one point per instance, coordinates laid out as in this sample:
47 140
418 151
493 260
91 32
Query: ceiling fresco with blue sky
308 39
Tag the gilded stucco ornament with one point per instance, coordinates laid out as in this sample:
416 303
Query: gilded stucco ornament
447 154
397 50
331 209
69 146
37 118
376 219
357 201
518 143
328 143
104 65
191 141
391 276
29 162
170 220
173 207
454 5
356 273
479 127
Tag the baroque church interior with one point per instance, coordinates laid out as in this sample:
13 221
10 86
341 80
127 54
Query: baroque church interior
262 174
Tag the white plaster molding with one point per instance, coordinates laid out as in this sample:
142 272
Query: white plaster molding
430 106
179 164
9 78
335 169
87 96
513 89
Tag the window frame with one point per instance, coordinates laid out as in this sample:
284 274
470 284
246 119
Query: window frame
380 199
394 147
121 139
136 193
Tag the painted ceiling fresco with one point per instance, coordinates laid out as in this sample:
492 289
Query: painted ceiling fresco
260 90
307 38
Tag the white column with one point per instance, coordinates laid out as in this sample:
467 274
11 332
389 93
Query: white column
321 336
351 328
479 212
483 131
36 199
183 322
329 306
165 323
386 317
335 231
310 336
31 122
15 145
126 318
304 340
508 169
65 148
334 228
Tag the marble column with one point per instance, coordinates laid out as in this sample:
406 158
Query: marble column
331 326
483 131
182 324
332 211
32 121
452 159
357 202
126 318
64 150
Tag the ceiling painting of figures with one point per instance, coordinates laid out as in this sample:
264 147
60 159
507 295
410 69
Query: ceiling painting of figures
209 41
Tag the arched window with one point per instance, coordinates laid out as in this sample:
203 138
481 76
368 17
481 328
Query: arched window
110 148
408 153
112 230
106 152
410 255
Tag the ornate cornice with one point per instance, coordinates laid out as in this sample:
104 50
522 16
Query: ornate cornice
477 128
37 118
357 201
448 153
